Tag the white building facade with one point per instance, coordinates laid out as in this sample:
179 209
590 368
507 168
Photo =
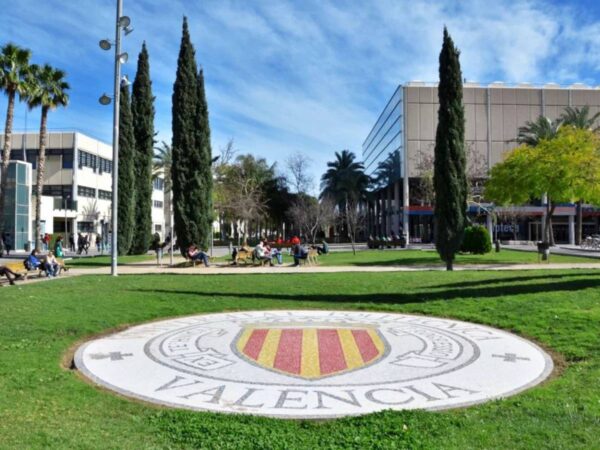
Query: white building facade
77 192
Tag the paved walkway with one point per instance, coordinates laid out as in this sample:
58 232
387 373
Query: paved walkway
150 268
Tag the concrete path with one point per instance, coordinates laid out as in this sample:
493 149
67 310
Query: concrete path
151 268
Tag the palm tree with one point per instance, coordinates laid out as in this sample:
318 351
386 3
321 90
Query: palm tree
14 66
163 162
346 183
48 90
344 179
533 132
580 118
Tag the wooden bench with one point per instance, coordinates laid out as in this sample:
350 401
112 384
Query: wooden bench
18 268
194 262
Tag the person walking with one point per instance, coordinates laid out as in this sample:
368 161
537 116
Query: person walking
58 247
7 239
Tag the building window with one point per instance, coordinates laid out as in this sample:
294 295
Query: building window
67 159
84 191
57 190
158 204
157 228
85 227
88 160
158 184
104 195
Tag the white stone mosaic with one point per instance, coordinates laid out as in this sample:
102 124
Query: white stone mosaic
313 364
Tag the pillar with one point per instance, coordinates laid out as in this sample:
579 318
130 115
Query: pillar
397 206
489 224
390 209
544 216
571 230
405 207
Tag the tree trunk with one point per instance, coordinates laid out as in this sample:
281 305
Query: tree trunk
41 166
6 156
579 223
548 229
450 264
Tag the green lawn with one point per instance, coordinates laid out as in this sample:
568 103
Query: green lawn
43 405
103 261
430 257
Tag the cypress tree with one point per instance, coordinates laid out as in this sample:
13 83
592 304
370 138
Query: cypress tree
126 197
202 159
142 110
184 173
449 178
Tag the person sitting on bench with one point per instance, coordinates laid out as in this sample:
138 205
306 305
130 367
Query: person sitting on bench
51 265
195 254
322 249
9 274
262 254
299 253
32 262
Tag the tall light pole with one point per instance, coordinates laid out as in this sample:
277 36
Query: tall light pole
122 23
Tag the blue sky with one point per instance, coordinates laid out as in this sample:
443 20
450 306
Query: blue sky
310 76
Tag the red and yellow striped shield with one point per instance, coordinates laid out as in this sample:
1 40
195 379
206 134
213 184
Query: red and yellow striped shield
311 352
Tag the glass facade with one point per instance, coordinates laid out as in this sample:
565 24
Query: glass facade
18 197
383 148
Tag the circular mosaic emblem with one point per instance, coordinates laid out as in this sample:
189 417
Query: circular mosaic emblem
313 364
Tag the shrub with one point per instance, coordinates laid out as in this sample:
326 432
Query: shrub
476 240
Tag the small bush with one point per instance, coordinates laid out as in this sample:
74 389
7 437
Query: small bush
476 240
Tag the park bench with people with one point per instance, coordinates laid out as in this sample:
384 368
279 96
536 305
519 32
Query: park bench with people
61 266
386 242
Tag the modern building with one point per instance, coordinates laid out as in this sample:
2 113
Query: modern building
17 204
77 192
398 153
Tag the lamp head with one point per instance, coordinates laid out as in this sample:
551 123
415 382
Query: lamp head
105 44
124 21
105 100
123 57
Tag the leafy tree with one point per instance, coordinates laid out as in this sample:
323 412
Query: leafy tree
580 118
127 194
49 91
14 68
449 178
567 168
142 109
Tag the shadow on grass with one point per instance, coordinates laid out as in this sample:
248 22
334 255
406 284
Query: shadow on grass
399 298
515 279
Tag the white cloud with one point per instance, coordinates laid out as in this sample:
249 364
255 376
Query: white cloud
308 75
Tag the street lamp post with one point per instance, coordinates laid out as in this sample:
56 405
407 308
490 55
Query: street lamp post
122 23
